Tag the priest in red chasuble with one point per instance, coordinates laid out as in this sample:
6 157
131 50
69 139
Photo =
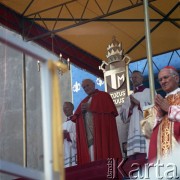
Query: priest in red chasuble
166 133
95 118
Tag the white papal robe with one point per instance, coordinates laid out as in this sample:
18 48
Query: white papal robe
136 142
70 151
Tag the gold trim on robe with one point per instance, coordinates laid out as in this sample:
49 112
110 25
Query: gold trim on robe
165 137
166 140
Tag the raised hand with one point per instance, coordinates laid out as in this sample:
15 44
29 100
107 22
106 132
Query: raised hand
162 103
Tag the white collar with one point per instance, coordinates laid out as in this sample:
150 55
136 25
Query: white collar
173 92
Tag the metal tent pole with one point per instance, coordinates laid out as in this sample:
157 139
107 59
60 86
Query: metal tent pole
149 51
24 110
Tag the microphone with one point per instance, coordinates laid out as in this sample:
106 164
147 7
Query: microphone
84 114
83 108
84 111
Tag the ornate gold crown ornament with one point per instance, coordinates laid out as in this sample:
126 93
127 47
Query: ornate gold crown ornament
115 53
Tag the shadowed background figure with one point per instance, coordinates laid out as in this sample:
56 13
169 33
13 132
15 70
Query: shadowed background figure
132 111
69 130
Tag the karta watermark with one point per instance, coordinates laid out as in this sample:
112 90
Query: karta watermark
157 170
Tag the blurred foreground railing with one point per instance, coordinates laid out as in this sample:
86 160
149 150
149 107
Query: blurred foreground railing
39 55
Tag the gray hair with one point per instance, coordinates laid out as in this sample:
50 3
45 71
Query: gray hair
172 71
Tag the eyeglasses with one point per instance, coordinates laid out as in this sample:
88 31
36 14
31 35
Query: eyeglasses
166 77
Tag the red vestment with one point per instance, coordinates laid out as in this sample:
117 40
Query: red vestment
106 141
